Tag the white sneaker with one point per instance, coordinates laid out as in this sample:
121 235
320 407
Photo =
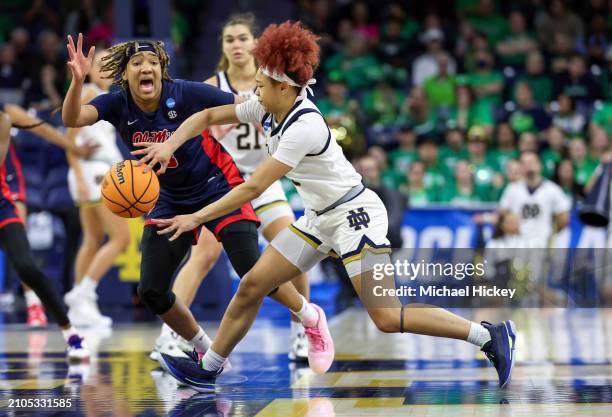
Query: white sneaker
170 344
101 319
298 351
75 295
76 349
84 314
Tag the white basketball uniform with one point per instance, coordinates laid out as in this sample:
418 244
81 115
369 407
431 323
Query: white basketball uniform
536 209
246 144
342 218
94 168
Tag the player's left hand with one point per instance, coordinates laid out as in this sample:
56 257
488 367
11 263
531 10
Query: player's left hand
153 154
177 224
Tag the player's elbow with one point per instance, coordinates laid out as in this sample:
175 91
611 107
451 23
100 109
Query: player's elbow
68 121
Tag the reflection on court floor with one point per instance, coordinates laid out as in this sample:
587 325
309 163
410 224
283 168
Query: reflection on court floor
565 368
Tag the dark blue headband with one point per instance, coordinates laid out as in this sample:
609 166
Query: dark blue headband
137 47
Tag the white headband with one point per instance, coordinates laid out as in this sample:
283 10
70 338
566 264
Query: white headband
284 78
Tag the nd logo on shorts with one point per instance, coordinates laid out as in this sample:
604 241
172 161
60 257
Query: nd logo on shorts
358 218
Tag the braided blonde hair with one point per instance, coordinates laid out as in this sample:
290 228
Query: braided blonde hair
115 62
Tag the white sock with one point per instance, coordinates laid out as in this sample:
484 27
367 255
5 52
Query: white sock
201 342
31 298
212 361
478 335
68 332
296 327
307 313
88 284
166 330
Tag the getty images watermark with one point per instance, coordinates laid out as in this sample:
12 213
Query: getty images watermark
404 270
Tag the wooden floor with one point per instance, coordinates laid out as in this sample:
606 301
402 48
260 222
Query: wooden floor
564 369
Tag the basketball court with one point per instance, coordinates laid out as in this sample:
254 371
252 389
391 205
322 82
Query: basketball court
564 368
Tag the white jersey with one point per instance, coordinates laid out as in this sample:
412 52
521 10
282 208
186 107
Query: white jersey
102 134
302 140
535 208
244 141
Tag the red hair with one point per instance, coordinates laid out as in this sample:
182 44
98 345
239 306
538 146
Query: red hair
288 48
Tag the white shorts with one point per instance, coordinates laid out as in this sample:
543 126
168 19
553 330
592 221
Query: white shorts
349 231
93 173
272 205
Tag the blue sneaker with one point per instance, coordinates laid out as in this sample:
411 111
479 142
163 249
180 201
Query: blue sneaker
189 372
500 349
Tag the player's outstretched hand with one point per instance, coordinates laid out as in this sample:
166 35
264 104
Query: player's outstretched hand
79 63
85 151
153 154
178 225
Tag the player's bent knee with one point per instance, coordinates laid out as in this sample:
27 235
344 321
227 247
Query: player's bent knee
250 289
122 240
159 302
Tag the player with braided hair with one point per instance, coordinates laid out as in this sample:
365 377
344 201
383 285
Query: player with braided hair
342 217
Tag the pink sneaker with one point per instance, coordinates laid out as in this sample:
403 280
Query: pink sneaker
321 346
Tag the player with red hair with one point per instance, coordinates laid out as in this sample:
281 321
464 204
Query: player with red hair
342 218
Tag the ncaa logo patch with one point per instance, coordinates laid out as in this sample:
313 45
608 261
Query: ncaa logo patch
170 103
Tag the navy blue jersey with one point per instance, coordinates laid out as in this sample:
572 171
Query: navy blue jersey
191 166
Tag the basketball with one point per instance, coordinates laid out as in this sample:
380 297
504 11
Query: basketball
128 191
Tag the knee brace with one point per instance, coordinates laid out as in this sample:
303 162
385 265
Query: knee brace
157 301
241 243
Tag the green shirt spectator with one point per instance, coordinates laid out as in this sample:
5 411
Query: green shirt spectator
486 20
383 103
514 47
453 149
440 91
401 158
462 190
415 188
603 117
550 159
583 164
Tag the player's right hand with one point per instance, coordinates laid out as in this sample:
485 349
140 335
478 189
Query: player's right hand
84 151
153 154
79 63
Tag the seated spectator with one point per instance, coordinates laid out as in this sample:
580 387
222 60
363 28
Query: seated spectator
467 113
565 177
382 104
426 65
551 156
462 191
358 65
415 190
47 73
558 20
513 172
505 147
526 115
401 158
436 175
409 26
487 21
577 82
362 21
560 53
567 118
453 149
440 89
538 80
515 46
393 46
12 75
415 112
599 143
486 176
487 83
602 118
583 163
388 177
528 142
595 42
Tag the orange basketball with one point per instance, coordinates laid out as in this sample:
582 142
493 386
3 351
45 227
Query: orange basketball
129 192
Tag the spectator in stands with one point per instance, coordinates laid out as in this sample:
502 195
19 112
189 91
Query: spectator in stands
42 16
528 142
505 147
560 53
440 89
487 83
602 118
540 82
362 21
410 26
567 118
81 19
558 20
565 177
436 175
526 115
12 75
426 65
415 112
467 113
406 153
551 156
599 143
20 39
577 82
515 46
462 191
382 104
418 194
595 41
583 163
393 200
393 47
454 148
359 66
485 175
47 73
388 177
489 22
514 171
